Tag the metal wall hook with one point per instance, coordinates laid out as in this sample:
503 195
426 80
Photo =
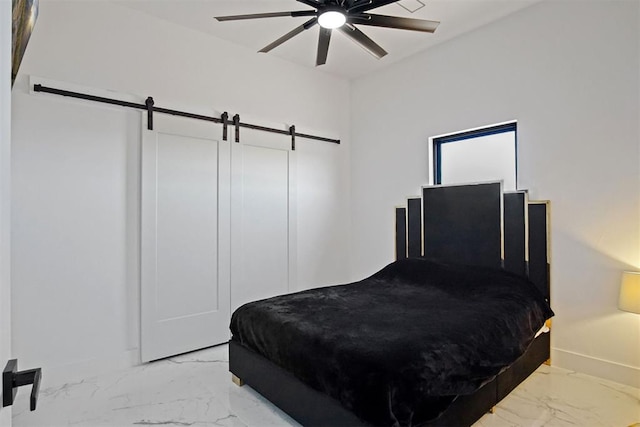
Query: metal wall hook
12 379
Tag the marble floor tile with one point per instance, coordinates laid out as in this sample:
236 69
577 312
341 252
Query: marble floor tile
558 397
195 390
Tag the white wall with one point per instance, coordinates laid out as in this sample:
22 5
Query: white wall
76 171
5 189
569 73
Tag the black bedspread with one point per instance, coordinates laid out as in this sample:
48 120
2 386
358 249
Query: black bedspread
399 346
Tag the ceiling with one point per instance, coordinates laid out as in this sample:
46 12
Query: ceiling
346 59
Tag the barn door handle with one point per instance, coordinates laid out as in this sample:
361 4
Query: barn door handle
12 379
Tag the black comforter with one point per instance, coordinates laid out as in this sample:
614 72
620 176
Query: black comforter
399 346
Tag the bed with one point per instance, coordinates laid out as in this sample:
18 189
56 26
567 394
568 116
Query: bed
425 341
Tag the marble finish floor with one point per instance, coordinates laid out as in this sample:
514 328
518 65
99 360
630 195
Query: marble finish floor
196 390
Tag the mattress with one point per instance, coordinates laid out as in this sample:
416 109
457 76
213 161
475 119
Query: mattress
398 347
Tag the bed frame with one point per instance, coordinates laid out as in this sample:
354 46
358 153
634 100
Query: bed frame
516 230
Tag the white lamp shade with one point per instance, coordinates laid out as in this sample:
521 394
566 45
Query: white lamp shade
630 292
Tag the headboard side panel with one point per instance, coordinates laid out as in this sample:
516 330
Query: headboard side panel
414 224
538 266
515 232
401 233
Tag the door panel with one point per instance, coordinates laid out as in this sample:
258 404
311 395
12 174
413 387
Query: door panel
263 217
185 237
185 233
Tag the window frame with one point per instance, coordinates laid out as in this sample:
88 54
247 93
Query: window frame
469 134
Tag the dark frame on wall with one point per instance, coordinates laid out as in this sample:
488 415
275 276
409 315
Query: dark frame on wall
461 136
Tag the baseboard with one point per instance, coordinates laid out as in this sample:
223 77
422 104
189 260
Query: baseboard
59 375
613 371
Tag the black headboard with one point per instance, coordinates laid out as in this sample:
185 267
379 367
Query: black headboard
477 224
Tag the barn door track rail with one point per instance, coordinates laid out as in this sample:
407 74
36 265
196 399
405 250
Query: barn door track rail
150 108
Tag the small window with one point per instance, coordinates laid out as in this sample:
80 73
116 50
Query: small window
487 154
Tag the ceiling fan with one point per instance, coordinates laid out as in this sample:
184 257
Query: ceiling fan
342 15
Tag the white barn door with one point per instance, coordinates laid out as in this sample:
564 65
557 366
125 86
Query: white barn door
185 243
263 217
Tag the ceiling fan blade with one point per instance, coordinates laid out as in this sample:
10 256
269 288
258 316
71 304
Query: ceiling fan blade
266 15
323 46
310 23
363 40
363 6
396 22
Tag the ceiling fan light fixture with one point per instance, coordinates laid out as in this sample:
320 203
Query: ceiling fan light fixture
342 15
332 19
